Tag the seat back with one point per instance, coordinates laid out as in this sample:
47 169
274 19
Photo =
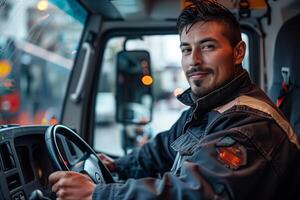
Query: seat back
287 58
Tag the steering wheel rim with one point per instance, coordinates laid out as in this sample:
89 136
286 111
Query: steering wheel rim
92 165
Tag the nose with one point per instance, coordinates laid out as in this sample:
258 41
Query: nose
195 57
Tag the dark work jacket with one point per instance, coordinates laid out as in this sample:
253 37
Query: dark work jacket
231 144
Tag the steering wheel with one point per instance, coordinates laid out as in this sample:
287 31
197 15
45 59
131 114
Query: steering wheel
88 163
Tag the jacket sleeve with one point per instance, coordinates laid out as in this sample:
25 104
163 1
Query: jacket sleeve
154 158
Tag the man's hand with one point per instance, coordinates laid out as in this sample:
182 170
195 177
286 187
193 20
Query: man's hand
107 161
71 185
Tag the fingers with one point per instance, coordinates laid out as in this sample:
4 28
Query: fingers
71 185
61 179
55 176
105 158
57 180
107 161
72 194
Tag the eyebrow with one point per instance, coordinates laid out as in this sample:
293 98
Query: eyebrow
208 39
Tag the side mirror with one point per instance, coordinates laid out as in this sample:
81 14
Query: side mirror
134 92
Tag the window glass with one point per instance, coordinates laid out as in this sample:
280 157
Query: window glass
168 79
38 43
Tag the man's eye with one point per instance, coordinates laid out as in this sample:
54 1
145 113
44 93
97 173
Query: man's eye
208 47
185 51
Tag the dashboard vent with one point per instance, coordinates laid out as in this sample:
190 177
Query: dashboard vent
7 156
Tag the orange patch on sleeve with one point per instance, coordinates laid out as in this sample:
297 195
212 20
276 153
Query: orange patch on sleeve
233 157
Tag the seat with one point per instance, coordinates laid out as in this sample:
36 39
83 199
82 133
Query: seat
287 72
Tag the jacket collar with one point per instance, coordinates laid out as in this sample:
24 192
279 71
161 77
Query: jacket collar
218 97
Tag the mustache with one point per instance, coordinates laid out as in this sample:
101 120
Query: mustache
195 69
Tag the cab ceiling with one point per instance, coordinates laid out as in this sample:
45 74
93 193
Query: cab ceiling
154 9
134 9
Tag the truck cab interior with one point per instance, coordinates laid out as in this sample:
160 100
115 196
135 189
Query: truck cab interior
80 76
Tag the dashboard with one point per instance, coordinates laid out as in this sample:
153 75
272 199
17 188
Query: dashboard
24 162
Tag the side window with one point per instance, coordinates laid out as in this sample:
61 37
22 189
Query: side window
38 43
168 80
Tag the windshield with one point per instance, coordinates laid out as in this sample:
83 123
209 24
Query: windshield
38 44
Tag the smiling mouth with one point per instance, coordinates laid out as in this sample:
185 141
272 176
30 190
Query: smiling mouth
198 75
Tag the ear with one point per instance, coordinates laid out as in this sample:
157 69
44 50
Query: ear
239 52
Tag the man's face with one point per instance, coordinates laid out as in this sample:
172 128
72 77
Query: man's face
208 59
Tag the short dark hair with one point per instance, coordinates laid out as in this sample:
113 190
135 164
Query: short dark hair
208 10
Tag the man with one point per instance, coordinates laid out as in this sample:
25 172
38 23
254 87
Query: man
231 144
